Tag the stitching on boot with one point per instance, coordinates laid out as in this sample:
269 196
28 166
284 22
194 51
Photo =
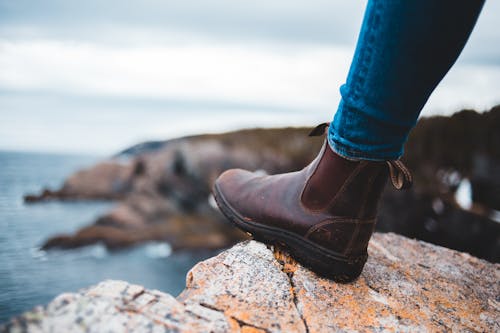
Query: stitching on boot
335 220
364 199
369 187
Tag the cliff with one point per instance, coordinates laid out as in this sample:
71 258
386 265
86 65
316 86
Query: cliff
162 189
407 285
164 194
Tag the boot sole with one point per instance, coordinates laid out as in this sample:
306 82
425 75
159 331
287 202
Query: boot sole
324 262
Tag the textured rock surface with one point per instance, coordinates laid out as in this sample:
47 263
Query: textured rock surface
407 285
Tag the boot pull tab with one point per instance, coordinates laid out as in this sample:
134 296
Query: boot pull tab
319 130
400 175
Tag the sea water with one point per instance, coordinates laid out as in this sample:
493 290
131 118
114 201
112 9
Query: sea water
30 276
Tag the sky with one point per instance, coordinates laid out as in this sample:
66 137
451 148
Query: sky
97 76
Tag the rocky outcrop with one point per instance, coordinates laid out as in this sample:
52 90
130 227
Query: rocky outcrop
407 285
108 180
165 194
163 188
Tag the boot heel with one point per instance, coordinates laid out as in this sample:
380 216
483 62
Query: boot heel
342 271
324 262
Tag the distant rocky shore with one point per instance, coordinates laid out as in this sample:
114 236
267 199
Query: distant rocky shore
406 286
162 189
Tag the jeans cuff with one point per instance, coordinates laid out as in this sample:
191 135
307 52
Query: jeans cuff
358 153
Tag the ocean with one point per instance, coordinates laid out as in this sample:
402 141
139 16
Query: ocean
30 276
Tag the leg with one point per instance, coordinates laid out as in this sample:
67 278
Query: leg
404 49
326 212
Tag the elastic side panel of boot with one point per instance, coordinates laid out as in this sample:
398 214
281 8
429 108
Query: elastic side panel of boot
329 175
359 196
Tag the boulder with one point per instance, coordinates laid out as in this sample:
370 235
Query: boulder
407 285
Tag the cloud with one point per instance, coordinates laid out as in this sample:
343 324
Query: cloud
330 21
132 22
467 86
152 69
277 76
84 97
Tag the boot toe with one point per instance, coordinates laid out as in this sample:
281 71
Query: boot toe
231 181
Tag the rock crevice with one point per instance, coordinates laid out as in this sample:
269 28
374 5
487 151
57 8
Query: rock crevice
289 266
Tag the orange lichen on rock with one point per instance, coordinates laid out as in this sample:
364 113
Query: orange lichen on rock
255 288
406 285
289 264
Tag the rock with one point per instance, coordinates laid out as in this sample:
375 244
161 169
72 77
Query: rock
108 180
440 222
165 195
116 306
407 285
194 232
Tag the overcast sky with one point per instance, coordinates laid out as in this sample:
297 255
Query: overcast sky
96 76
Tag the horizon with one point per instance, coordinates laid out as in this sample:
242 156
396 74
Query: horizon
119 150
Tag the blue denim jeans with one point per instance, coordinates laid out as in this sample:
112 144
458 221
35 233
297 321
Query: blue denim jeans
404 49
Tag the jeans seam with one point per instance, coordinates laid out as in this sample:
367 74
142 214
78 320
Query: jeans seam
367 55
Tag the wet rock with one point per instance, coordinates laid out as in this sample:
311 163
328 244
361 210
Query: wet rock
193 232
407 285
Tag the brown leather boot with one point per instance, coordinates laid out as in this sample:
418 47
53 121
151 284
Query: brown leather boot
324 214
